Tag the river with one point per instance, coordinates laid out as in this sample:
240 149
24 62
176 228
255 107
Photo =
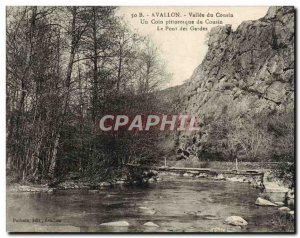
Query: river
175 204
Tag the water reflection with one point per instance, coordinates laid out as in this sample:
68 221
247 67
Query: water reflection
175 204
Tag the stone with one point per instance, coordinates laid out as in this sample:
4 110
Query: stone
186 175
284 209
150 224
220 177
151 180
116 223
105 184
291 213
264 202
236 221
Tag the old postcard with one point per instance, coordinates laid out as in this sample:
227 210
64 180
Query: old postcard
150 119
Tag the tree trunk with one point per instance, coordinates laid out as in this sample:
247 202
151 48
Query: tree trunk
54 157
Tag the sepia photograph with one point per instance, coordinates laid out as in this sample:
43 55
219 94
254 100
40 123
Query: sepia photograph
150 119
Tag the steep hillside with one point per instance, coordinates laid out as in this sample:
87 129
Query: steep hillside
243 91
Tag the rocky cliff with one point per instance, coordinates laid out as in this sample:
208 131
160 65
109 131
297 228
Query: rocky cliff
243 91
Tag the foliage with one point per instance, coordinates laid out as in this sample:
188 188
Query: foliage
265 137
66 67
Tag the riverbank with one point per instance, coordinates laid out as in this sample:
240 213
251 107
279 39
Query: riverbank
270 186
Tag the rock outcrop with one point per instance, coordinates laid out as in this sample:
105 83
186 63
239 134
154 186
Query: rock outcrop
245 74
250 69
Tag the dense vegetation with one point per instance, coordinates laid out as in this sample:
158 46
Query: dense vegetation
66 67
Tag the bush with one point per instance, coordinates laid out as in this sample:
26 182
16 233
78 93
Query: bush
283 222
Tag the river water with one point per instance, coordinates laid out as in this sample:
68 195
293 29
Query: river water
176 204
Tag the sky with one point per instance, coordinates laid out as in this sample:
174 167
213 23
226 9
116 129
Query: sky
183 51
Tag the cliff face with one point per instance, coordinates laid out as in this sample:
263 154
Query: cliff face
245 73
250 69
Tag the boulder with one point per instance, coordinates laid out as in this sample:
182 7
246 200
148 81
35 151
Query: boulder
236 221
284 209
291 213
116 223
264 202
150 224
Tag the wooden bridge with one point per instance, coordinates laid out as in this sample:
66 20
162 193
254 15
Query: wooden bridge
200 170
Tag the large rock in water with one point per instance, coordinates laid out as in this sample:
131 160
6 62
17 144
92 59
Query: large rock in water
264 202
236 221
116 223
284 209
151 224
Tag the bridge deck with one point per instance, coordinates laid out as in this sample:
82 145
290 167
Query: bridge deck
200 170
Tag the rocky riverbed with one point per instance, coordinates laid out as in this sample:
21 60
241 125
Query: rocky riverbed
169 202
